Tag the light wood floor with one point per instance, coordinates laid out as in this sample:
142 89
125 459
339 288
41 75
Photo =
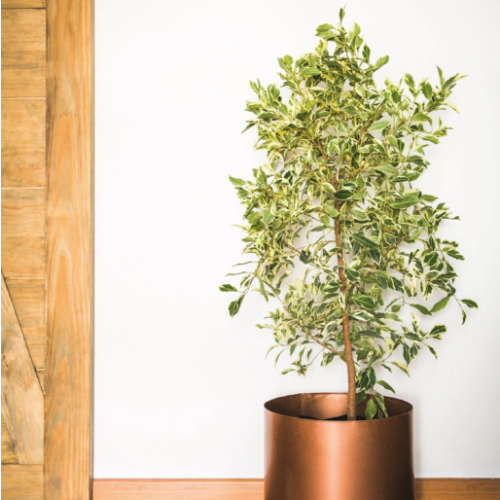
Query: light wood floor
243 489
136 489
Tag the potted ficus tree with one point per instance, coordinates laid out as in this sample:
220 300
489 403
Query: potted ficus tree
348 245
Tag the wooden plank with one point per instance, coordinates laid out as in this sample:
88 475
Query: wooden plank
247 489
161 489
22 482
23 142
28 297
23 52
69 382
23 4
458 489
22 398
8 455
41 379
23 232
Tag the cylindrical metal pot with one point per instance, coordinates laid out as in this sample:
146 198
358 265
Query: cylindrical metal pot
337 460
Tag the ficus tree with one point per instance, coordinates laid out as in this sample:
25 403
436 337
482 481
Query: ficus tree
343 237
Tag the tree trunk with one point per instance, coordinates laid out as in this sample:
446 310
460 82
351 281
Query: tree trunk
351 370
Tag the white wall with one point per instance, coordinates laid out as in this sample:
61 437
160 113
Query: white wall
180 385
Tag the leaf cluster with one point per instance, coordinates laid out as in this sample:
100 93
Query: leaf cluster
335 219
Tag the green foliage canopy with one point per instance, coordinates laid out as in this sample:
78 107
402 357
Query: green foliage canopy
343 160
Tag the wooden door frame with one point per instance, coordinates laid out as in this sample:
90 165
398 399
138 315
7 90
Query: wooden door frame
68 431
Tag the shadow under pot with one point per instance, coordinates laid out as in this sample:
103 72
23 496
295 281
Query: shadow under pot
311 458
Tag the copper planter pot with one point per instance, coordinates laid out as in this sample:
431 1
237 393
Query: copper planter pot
337 460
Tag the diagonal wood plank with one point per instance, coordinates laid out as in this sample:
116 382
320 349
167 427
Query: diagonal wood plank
28 297
8 456
22 397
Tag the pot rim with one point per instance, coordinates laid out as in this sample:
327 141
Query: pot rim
405 413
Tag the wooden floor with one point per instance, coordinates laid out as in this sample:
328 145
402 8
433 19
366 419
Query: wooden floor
243 489
247 489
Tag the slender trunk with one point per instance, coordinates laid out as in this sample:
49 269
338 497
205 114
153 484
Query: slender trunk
351 371
346 330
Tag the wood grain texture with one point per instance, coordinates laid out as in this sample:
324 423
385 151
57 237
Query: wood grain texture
69 383
22 397
123 489
22 482
8 455
23 233
23 4
23 52
458 489
246 489
23 142
41 379
28 297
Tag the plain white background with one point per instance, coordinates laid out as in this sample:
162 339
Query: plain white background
179 385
